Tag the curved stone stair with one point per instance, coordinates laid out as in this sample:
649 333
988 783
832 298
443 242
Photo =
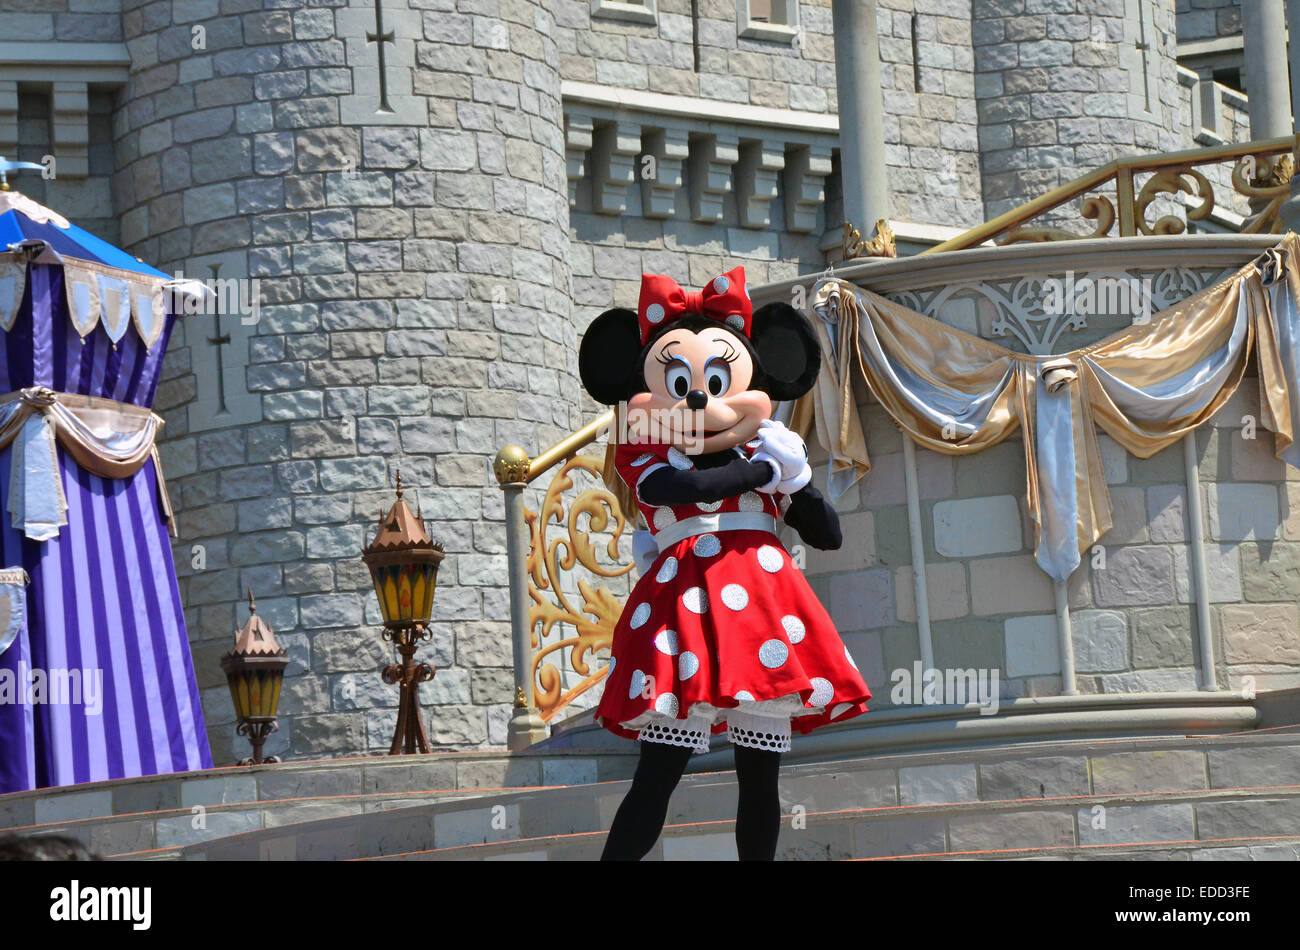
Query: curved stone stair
1178 794
1181 796
157 816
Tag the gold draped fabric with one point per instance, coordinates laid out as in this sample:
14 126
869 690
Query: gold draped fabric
1146 386
107 438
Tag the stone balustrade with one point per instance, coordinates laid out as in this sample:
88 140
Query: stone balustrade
665 144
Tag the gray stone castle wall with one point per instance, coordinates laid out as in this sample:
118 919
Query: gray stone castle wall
426 277
415 274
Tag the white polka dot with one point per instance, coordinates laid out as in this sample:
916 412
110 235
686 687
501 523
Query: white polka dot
773 654
793 626
612 661
735 597
840 710
640 615
664 517
735 321
823 692
750 502
708 505
706 545
667 570
636 684
720 284
695 601
769 559
849 656
677 460
667 704
654 313
687 665
744 696
666 642
642 459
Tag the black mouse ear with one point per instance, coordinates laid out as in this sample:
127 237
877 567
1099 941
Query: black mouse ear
787 349
609 357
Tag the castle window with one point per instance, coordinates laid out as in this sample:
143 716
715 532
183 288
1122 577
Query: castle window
776 20
629 11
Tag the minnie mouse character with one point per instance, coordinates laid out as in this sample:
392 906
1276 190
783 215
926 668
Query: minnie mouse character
722 632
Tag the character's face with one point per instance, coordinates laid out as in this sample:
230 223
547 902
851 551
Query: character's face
699 399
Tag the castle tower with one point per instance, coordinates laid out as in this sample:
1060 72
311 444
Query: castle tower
1060 93
393 179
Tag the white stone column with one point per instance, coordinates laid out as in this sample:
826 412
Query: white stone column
1290 210
1263 29
861 111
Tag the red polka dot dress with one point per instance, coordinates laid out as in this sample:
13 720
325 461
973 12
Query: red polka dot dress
723 631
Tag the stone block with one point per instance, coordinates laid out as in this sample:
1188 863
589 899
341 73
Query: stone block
947 594
1100 640
1009 585
1133 824
968 527
1261 634
937 784
1222 573
1243 512
1039 777
1032 646
1162 770
1135 576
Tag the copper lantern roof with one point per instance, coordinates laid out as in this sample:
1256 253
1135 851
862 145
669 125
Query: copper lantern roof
255 638
402 536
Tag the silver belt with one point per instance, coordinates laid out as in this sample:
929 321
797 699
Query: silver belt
717 521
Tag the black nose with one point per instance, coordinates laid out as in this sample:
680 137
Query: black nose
697 399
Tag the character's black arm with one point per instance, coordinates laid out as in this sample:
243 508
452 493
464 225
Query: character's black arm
815 520
672 486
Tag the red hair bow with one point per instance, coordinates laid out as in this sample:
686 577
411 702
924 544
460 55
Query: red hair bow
723 299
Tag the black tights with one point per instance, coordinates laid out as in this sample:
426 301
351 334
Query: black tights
640 818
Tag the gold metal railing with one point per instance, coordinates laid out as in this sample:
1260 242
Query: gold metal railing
544 653
1261 173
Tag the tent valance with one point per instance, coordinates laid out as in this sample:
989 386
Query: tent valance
96 293
107 438
1146 386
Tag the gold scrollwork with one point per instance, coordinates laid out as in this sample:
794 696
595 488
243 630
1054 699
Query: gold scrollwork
594 620
882 245
1171 181
1094 208
1268 181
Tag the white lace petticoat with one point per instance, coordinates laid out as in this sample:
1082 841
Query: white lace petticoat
756 725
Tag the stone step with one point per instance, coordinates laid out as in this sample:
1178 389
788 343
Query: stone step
1031 771
253 802
1256 848
1029 775
157 812
1069 827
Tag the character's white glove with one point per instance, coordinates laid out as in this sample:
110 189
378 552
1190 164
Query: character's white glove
788 455
644 551
791 485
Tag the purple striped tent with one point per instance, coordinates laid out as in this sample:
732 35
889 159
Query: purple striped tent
82 318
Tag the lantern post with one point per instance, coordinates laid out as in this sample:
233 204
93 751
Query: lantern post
403 562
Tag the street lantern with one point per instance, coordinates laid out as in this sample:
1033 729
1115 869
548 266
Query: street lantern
255 672
403 562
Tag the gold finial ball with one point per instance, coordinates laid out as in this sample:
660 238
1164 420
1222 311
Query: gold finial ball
511 465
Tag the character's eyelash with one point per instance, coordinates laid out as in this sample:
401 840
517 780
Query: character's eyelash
665 355
731 355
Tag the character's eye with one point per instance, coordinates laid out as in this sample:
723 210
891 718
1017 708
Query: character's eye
678 378
717 376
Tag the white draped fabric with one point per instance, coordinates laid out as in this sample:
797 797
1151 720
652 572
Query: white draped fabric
1146 386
